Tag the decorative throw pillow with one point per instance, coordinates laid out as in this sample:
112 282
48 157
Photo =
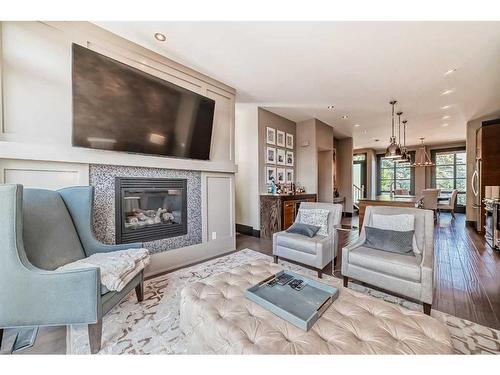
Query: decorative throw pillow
304 229
400 223
317 217
393 241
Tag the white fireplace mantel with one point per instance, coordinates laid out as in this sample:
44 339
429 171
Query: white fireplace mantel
57 153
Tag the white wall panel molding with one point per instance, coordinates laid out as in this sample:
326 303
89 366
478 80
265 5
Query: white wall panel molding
1 97
45 175
218 206
36 102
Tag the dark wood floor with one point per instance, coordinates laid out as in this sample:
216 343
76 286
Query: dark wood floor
467 277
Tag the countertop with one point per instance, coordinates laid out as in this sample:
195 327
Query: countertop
288 195
395 198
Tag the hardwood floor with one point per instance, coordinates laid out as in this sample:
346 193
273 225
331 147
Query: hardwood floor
467 277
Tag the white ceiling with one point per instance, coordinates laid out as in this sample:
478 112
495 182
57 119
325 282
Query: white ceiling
297 69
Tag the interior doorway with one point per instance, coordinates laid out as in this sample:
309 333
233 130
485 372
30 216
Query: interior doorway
358 177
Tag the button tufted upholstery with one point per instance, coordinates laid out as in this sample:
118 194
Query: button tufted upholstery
217 318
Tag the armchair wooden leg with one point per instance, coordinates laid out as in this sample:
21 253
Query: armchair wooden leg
95 335
139 291
427 308
320 274
346 281
275 259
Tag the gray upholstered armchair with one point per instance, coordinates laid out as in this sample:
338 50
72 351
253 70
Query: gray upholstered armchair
314 252
408 276
41 230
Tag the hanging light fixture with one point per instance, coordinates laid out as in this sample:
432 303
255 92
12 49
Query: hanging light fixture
393 151
399 131
422 159
405 156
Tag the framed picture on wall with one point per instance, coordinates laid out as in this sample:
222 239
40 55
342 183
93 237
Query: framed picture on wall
270 136
289 176
280 174
280 138
289 159
270 155
280 156
289 140
270 174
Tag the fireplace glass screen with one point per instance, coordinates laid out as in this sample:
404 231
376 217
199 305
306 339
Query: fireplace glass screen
150 209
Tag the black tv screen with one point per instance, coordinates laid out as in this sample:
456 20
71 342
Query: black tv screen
117 107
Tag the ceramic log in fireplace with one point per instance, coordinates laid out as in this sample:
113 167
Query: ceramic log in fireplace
149 209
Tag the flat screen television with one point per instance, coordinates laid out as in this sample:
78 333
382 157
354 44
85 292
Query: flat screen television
117 107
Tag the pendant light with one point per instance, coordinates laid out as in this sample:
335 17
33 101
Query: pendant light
399 131
393 151
405 156
422 159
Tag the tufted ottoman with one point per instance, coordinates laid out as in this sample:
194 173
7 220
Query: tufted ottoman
216 318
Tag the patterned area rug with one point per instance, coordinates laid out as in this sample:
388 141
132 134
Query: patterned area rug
152 327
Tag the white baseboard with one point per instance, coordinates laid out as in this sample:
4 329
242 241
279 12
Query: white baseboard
172 259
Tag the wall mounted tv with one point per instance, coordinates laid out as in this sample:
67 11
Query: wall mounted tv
117 107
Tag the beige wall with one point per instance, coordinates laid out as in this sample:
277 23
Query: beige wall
325 146
307 156
344 170
35 134
324 136
315 145
472 126
325 176
247 177
250 141
277 122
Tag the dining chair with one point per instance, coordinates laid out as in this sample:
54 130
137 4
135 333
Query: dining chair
430 199
449 205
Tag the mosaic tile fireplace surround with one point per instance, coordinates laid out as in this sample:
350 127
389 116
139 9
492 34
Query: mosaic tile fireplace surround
175 223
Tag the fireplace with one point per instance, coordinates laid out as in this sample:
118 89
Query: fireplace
150 209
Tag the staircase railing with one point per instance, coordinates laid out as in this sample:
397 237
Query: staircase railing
357 193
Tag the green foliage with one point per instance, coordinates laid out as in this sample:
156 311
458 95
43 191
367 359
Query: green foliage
359 157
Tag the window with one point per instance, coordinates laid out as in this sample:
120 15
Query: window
391 172
450 172
359 157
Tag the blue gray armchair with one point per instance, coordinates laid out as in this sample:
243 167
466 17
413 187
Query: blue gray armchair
41 230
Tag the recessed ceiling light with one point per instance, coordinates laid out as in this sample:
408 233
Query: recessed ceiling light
447 92
445 125
376 139
451 71
331 107
446 117
345 117
357 125
446 106
160 37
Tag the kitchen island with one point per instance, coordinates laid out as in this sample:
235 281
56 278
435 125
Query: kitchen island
385 200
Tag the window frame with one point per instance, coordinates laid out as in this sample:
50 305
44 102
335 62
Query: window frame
455 151
395 179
